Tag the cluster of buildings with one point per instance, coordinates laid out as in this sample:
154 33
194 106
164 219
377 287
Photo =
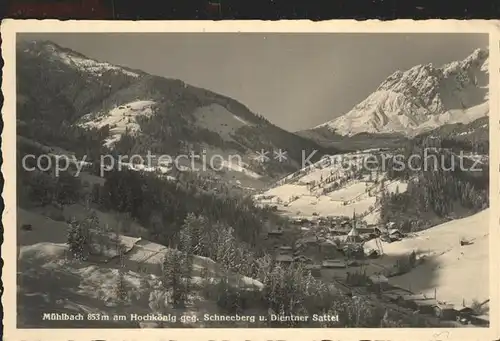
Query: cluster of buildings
431 306
349 230
319 251
334 255
416 303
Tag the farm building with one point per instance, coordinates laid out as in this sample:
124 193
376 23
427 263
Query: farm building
445 311
425 306
284 259
465 314
394 295
408 300
338 231
378 283
314 269
274 233
372 254
390 225
333 264
146 257
413 297
302 259
346 224
466 311
391 236
285 249
395 233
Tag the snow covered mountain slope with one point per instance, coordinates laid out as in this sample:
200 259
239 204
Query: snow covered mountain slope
121 120
74 59
337 185
454 269
131 111
421 99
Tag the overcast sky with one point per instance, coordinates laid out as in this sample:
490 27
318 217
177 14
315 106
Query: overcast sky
297 81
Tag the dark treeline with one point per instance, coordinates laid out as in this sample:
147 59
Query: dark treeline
438 186
197 218
472 137
162 205
38 188
480 147
81 141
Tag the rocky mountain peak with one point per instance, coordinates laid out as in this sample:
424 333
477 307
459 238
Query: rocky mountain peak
421 98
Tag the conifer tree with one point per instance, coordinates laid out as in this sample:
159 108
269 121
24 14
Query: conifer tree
121 287
77 240
172 272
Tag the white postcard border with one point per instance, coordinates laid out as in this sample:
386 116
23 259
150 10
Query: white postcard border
9 28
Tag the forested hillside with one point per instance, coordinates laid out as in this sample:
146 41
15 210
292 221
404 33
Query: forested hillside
443 184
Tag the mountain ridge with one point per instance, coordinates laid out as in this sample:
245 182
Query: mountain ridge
60 86
421 98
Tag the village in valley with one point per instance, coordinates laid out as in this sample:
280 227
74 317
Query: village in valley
358 254
349 250
374 245
350 253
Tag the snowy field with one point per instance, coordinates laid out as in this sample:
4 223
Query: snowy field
120 119
302 194
458 273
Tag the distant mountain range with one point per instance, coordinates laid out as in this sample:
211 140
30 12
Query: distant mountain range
138 112
420 99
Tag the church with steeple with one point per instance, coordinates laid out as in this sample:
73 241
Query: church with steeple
353 235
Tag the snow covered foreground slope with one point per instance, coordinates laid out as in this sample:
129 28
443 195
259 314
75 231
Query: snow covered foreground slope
422 98
49 282
456 273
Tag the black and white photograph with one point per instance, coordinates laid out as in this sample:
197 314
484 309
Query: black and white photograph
252 180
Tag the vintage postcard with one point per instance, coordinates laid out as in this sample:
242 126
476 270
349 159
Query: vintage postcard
251 180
